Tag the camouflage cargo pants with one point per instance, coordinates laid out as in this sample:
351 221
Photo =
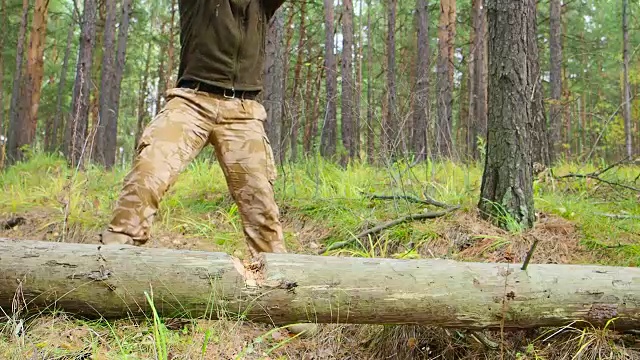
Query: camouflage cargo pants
190 121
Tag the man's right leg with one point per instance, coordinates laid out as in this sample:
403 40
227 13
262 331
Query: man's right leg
169 143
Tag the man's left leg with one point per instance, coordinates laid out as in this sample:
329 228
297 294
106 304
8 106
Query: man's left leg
246 159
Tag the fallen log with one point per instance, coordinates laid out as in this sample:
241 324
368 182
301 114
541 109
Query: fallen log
110 281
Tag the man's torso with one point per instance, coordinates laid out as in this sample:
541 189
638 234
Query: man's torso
223 42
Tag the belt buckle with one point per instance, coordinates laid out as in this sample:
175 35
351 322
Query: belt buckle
233 94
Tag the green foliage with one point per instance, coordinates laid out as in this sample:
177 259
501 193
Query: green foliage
591 53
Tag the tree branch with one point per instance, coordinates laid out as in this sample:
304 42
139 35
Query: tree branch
596 176
387 225
413 199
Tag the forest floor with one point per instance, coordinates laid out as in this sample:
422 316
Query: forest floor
583 221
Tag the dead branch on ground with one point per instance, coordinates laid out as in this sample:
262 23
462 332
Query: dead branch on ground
619 216
596 176
427 201
387 225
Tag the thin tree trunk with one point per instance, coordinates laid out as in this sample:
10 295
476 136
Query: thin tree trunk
626 89
469 139
99 153
34 75
421 104
274 86
311 128
348 91
507 184
54 138
464 116
446 36
95 122
371 158
313 134
540 145
478 77
14 110
298 100
391 123
77 126
288 116
309 101
170 83
3 33
330 124
161 74
555 75
358 94
3 126
111 125
142 96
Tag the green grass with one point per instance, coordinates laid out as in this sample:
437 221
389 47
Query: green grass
198 205
321 203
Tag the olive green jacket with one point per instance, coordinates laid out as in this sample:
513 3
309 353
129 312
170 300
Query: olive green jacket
223 41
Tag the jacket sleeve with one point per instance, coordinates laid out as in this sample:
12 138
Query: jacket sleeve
271 6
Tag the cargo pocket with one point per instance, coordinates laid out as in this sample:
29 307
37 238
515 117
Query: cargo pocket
271 170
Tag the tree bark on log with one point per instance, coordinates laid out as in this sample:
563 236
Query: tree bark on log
110 281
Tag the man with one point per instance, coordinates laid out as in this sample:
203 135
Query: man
220 74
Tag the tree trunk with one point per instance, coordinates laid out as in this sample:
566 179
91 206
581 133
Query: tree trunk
99 153
3 126
287 111
330 124
111 125
54 139
3 32
297 99
274 86
111 282
311 128
555 75
446 38
348 90
627 91
421 104
161 74
96 73
390 129
142 96
507 185
312 87
370 125
462 129
77 126
34 75
170 83
14 110
540 145
478 77
358 95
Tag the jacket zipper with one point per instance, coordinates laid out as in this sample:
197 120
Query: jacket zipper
235 63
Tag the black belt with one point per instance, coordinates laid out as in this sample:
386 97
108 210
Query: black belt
212 89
